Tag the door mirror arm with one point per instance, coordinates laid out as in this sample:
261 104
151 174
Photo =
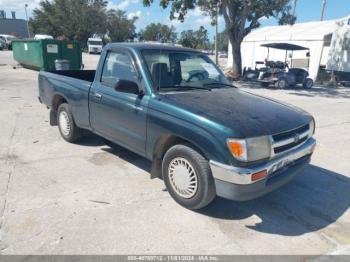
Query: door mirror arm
141 93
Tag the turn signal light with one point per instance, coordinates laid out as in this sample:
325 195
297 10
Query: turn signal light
238 149
259 175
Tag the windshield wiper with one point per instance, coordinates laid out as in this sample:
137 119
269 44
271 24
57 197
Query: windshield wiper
219 84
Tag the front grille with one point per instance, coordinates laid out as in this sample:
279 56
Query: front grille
288 140
281 149
291 133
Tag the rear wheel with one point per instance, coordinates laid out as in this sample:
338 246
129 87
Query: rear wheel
188 177
281 83
66 125
308 83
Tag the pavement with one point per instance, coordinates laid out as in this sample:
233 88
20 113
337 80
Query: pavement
86 198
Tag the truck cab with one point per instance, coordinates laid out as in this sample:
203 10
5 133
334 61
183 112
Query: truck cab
95 45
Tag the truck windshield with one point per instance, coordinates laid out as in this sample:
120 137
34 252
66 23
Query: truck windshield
95 42
183 70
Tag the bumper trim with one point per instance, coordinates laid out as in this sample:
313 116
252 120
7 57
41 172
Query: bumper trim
242 175
262 187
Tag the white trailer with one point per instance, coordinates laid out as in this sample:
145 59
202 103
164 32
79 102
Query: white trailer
316 36
339 53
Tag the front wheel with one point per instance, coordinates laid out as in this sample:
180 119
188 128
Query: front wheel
281 83
308 83
187 177
66 125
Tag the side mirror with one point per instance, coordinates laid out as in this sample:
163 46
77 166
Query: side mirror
127 86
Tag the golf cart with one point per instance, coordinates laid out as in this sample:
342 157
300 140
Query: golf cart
279 73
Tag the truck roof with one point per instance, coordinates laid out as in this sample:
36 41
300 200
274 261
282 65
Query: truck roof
144 46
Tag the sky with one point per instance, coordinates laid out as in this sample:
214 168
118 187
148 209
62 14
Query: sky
307 10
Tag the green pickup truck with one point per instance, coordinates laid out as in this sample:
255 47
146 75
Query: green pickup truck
174 106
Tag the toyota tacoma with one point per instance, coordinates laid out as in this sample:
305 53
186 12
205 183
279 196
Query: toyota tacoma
174 106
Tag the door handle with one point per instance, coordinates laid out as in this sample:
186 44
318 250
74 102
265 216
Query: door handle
98 96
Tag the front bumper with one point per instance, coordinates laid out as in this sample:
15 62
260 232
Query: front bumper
235 183
95 50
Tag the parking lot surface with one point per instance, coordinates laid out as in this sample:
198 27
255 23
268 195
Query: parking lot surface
86 198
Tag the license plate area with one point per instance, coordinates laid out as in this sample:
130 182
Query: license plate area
281 166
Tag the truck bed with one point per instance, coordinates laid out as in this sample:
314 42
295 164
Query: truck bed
86 75
73 86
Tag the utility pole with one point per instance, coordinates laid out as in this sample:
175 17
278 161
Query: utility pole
323 7
25 8
216 33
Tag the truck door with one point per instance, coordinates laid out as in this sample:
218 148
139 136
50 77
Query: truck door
119 115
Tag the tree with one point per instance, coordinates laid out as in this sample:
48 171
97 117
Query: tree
120 28
187 39
80 19
241 17
286 17
158 32
223 41
195 39
202 37
72 19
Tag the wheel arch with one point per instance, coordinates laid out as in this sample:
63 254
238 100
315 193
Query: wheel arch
163 144
57 100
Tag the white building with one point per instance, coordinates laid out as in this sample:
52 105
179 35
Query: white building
313 35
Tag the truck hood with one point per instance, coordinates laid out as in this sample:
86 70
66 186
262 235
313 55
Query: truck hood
246 114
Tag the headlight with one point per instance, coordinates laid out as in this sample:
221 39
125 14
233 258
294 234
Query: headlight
250 149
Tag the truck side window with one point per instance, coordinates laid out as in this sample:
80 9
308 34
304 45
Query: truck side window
118 66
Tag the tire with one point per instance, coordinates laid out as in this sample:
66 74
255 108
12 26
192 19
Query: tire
66 125
281 83
308 83
178 160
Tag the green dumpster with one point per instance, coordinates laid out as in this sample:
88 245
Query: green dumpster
41 54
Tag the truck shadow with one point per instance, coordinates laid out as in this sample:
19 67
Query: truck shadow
314 200
128 156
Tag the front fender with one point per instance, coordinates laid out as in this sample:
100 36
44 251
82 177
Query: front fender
160 125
